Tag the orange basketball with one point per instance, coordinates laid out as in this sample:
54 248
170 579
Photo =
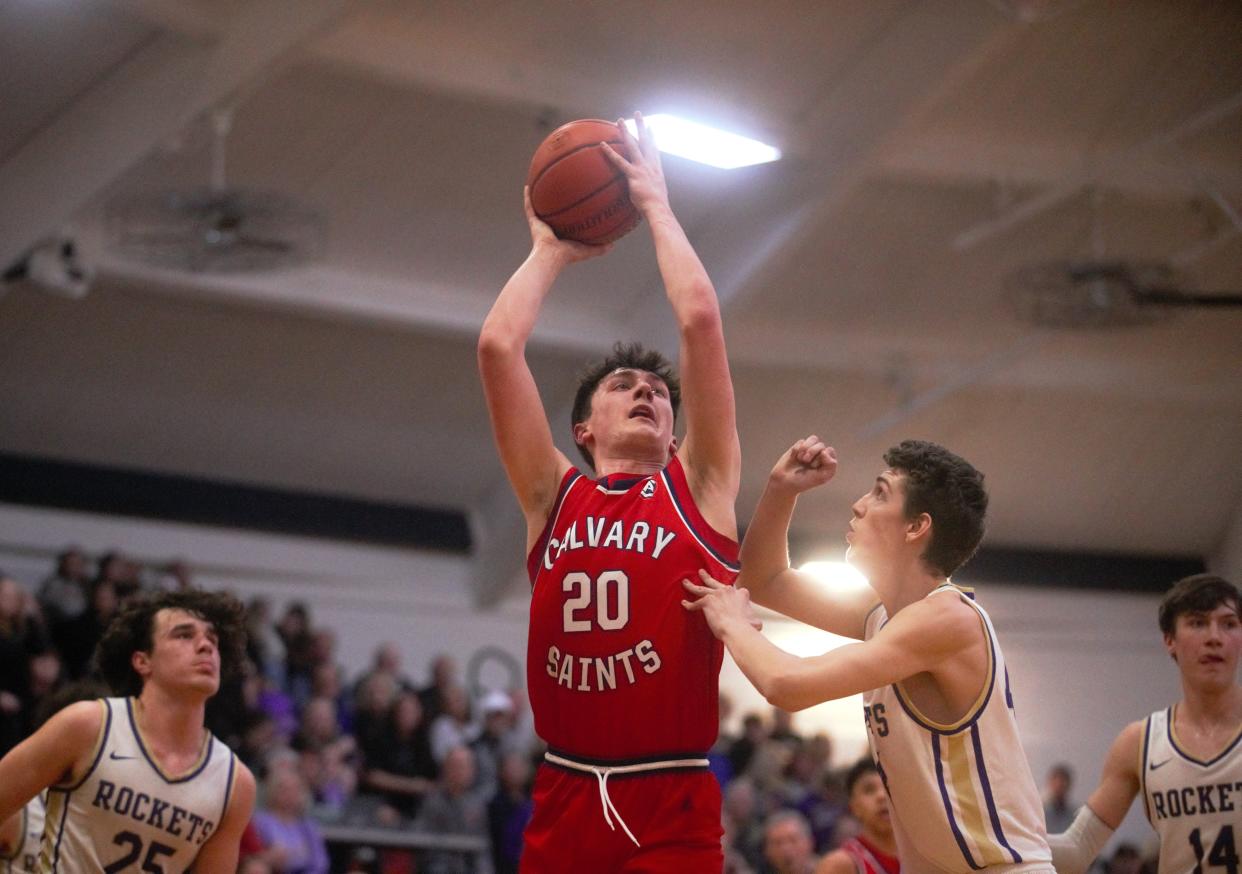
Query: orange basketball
576 189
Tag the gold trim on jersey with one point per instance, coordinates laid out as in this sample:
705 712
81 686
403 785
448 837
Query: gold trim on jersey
966 795
1171 719
984 694
145 748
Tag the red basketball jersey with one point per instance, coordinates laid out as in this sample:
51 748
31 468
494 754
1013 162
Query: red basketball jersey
870 859
616 668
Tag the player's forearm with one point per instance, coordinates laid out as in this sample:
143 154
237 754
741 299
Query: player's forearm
689 288
512 317
765 551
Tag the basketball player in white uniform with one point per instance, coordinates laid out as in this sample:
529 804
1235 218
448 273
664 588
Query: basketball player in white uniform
937 699
137 783
1185 761
20 836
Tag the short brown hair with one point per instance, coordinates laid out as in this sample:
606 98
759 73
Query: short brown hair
132 631
631 356
1200 593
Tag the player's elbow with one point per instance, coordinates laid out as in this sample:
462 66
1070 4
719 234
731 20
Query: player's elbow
496 346
786 691
701 315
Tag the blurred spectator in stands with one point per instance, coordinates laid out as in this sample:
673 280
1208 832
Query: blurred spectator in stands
452 728
825 810
176 576
453 808
292 842
46 676
745 820
767 770
121 573
496 738
276 704
263 644
83 633
327 757
873 846
743 749
443 678
1059 808
1127 860
782 728
377 693
787 844
508 811
21 638
820 749
229 710
294 629
326 683
400 765
734 861
63 595
322 652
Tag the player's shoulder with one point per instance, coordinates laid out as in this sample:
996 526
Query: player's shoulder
836 862
945 612
79 723
241 799
1130 738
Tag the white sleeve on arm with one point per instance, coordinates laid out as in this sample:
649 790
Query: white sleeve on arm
1074 849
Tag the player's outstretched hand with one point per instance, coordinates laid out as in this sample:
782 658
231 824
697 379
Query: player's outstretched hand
807 464
542 236
642 171
720 604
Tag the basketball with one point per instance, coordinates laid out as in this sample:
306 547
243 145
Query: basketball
576 189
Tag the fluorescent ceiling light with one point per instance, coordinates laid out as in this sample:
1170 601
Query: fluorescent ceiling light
837 576
707 145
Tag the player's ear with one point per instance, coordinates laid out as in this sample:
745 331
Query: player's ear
1168 645
672 446
580 433
919 526
141 663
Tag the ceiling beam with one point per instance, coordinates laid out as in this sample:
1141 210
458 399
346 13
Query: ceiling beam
1075 182
152 96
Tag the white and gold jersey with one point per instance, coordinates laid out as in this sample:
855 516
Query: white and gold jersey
127 814
963 796
1195 806
24 857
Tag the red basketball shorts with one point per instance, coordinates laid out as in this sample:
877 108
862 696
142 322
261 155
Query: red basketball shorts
674 815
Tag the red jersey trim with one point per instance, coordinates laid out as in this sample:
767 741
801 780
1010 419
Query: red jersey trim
535 557
723 548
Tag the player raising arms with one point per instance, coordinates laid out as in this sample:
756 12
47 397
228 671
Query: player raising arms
622 682
936 692
1186 761
137 783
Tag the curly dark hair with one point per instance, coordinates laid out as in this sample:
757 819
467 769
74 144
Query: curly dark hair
132 629
1200 593
624 355
948 489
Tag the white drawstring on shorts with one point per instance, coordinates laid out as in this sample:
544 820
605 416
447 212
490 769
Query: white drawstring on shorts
602 773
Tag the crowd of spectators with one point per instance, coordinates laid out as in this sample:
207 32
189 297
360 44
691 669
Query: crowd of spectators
380 750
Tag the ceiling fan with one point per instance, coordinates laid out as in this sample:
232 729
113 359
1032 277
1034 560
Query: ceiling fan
217 229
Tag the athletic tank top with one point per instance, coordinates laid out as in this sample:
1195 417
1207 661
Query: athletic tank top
617 669
126 814
869 859
963 796
24 857
1195 806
